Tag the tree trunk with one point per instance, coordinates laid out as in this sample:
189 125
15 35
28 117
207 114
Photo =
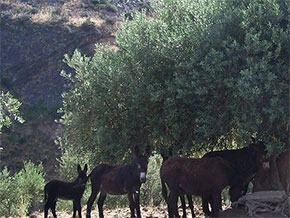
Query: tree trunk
283 165
267 179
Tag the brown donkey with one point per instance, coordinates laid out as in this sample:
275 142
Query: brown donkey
246 162
205 177
66 190
119 180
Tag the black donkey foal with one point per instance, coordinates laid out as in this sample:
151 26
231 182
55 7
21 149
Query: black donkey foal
66 190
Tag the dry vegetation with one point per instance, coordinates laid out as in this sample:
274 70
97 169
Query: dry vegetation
68 13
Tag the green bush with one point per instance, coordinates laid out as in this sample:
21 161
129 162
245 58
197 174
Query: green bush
31 181
9 192
21 192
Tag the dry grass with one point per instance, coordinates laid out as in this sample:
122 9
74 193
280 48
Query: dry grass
73 12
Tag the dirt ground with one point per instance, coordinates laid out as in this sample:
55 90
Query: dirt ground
160 212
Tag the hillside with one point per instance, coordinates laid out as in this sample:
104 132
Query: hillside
35 35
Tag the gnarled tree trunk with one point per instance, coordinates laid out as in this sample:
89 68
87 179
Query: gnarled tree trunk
283 165
267 179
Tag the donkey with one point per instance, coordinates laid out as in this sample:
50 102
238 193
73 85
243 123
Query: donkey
246 162
119 180
66 190
205 177
182 198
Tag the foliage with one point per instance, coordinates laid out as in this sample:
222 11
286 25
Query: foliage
31 181
20 192
150 193
193 76
9 110
8 195
68 163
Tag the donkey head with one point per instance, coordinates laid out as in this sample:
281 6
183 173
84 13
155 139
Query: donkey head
141 163
237 191
259 149
82 175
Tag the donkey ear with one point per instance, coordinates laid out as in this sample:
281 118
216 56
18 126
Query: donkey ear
147 151
164 156
86 168
253 140
79 168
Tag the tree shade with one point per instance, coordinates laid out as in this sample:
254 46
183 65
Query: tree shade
193 75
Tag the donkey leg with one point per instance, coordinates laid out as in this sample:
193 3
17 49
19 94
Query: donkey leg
215 204
173 212
182 199
205 208
74 209
137 203
52 206
169 208
131 205
190 203
77 207
101 200
46 208
92 198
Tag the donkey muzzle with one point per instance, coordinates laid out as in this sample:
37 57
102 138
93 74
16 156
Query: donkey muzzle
143 177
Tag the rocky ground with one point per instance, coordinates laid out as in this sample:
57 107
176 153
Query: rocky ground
146 212
161 212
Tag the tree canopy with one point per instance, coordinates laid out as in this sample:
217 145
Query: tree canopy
193 75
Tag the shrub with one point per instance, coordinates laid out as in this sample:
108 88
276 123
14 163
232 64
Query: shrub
21 192
9 190
31 181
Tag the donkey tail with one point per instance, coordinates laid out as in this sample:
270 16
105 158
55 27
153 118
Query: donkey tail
45 194
164 189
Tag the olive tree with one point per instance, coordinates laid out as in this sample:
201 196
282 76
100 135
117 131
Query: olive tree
191 76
